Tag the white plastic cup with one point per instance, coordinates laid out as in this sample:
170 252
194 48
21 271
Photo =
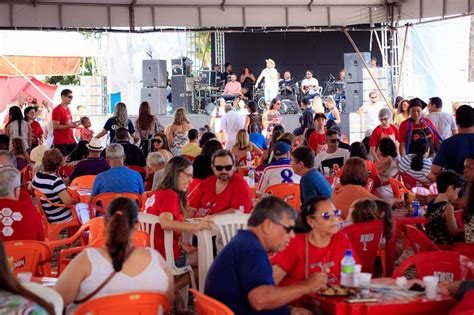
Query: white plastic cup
431 287
24 276
357 271
364 282
358 268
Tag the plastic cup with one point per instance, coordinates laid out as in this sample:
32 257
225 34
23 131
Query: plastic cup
431 286
24 276
364 282
357 271
358 268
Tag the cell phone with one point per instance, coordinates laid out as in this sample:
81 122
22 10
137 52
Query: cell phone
361 300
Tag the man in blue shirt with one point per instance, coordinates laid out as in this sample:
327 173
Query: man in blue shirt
312 183
119 178
241 276
256 137
453 151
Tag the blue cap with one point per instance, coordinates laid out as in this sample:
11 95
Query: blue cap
281 148
348 252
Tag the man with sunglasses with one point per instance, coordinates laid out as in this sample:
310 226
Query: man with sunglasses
222 193
64 139
371 111
333 154
384 130
241 275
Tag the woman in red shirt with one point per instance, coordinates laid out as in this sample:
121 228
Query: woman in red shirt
169 202
324 244
384 130
36 130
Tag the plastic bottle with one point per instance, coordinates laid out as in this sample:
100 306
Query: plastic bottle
241 210
249 159
415 206
348 269
251 177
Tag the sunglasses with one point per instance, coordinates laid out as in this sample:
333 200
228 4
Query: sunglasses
157 141
333 140
327 215
69 96
220 168
288 228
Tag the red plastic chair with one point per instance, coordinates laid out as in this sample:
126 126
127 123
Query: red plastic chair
448 266
85 181
65 170
139 169
188 157
419 242
365 238
205 305
103 200
410 181
465 249
288 192
126 303
30 256
459 221
145 197
465 306
398 188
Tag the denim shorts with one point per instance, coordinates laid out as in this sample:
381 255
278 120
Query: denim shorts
182 259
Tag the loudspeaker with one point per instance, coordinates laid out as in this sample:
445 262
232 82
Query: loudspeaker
353 66
354 97
154 73
289 107
156 97
182 88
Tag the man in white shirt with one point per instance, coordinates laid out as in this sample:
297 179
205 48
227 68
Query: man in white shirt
279 171
310 86
333 154
444 122
231 123
371 111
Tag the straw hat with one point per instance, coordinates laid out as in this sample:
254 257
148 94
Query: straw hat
37 153
95 145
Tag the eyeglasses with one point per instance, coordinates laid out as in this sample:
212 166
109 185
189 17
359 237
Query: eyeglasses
288 228
373 97
187 174
220 168
383 119
327 215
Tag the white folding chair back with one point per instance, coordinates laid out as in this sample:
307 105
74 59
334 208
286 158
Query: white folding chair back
229 224
147 223
47 294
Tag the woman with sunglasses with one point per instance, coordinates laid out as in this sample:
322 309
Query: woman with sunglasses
272 117
320 249
160 145
384 130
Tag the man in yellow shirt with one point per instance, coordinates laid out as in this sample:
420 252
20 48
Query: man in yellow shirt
192 147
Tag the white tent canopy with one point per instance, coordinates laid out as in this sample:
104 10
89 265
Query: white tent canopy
140 15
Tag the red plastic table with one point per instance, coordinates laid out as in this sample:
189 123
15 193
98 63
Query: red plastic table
418 305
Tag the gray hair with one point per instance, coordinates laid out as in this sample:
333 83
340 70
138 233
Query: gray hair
115 152
155 159
272 208
385 112
9 156
228 108
9 180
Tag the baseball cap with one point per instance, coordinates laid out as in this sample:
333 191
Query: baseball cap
281 148
319 115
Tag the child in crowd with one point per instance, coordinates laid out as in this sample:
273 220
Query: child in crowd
442 227
86 132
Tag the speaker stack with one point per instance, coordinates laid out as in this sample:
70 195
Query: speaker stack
154 85
182 84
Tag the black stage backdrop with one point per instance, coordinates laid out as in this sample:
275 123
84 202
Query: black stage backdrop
322 52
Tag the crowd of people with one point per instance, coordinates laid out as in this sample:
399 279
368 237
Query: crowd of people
192 172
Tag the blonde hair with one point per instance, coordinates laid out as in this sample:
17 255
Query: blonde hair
242 141
179 117
317 105
121 115
288 136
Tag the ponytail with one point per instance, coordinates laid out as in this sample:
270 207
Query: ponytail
419 148
122 215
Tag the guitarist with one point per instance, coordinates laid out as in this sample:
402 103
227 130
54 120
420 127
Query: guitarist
309 86
287 86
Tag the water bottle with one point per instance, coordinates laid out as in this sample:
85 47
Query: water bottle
249 159
241 210
415 206
348 269
251 177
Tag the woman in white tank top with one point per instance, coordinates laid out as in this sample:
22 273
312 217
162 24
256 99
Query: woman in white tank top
17 127
137 269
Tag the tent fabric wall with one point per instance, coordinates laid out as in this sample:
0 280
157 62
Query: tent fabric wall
119 14
34 65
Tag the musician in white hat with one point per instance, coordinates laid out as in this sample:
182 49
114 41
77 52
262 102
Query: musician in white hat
271 80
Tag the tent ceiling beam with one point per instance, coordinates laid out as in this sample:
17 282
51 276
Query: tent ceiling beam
310 4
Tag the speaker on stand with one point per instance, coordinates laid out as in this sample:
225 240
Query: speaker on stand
155 82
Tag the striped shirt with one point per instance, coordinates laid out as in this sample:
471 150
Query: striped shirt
422 175
51 185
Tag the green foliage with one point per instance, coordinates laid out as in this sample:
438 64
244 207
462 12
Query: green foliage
86 69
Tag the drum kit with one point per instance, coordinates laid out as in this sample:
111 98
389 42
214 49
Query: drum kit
336 89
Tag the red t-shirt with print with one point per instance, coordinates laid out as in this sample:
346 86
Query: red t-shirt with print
316 141
19 221
379 133
236 194
292 258
160 202
63 115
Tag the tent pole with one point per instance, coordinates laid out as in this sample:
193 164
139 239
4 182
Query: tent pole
389 104
403 58
28 80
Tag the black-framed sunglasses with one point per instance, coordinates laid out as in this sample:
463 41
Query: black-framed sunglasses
157 141
333 140
69 96
219 168
288 228
327 215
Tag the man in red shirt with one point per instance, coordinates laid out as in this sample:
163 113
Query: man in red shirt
19 220
224 192
63 124
317 140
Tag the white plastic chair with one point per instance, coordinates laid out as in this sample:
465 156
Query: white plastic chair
229 224
47 294
147 223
